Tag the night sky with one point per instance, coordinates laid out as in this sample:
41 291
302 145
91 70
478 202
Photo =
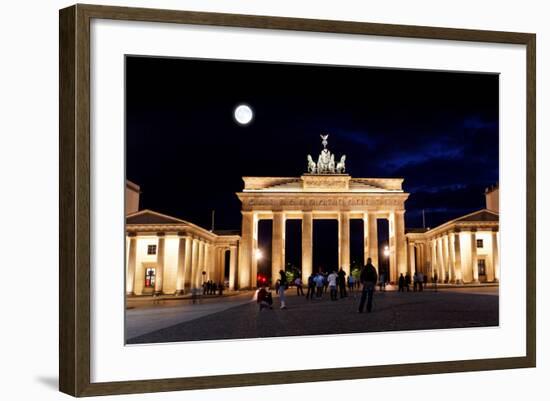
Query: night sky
437 130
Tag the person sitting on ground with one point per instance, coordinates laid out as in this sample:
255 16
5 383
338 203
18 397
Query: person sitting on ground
264 299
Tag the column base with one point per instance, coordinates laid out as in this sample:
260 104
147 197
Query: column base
179 292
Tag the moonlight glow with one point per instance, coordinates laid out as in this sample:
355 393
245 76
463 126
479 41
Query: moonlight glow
243 114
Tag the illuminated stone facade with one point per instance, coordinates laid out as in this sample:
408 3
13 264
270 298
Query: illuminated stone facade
463 250
326 196
166 255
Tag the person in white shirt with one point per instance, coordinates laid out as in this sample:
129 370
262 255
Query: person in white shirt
332 282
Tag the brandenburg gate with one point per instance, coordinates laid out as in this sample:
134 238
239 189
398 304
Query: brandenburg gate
325 192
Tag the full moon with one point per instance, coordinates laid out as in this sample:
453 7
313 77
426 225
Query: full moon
243 114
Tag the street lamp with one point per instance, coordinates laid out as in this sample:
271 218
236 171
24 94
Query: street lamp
258 254
386 251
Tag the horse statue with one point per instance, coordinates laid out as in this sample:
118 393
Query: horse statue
341 165
331 164
311 166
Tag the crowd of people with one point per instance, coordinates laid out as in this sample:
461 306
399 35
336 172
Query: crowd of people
211 288
419 281
318 284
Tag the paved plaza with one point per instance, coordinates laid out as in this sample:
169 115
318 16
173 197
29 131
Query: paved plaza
237 316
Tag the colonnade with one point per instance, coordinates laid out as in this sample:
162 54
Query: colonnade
198 260
248 264
453 255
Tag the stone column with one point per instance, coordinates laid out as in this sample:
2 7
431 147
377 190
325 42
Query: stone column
131 268
343 243
475 272
434 265
490 263
277 245
371 248
159 274
254 269
187 270
194 263
219 267
208 258
307 245
495 255
418 261
422 260
446 258
232 267
441 251
221 276
180 272
393 276
246 251
412 259
400 243
202 264
458 258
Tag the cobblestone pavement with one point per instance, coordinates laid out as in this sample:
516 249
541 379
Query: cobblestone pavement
446 308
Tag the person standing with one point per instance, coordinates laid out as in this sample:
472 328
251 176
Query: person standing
332 280
342 282
310 286
382 279
421 281
298 284
401 283
283 284
351 283
319 282
368 280
408 281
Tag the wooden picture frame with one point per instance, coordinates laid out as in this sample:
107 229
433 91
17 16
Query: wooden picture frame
74 204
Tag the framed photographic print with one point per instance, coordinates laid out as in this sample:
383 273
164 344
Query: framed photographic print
233 186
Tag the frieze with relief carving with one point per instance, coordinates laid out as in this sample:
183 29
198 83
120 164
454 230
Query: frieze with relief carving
324 203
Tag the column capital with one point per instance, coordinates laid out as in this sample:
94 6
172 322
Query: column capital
161 234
